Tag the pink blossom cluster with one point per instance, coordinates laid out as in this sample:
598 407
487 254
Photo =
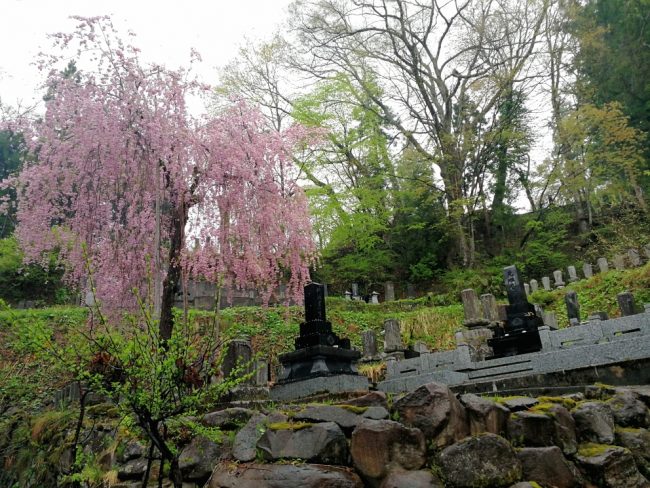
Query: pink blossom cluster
116 157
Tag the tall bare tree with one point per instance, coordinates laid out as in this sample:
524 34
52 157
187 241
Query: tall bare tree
442 66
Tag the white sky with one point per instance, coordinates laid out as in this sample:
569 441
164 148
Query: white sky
166 31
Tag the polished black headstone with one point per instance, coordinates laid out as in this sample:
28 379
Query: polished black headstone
314 302
519 334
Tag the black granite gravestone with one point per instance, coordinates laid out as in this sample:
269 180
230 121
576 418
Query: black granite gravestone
519 334
319 351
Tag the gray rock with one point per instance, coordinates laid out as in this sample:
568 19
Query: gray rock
628 410
517 404
485 415
610 466
322 443
244 447
375 413
344 417
594 422
436 411
476 462
372 399
228 419
412 479
638 442
283 476
523 484
564 429
530 429
379 446
132 450
200 456
549 467
132 470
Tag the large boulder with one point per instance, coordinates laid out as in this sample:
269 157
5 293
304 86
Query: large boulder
436 411
610 466
518 403
244 447
549 467
629 410
200 456
485 415
638 442
594 422
322 443
480 461
228 419
412 479
231 475
379 446
132 470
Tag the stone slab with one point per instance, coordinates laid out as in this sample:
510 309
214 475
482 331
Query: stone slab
313 386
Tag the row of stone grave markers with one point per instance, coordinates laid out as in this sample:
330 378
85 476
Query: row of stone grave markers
618 261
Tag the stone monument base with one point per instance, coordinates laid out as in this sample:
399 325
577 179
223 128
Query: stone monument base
338 383
315 361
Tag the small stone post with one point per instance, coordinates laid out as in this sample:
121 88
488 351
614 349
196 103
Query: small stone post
546 283
374 298
392 336
588 271
626 303
572 307
534 286
348 295
389 294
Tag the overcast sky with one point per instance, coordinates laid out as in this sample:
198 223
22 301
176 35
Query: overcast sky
166 31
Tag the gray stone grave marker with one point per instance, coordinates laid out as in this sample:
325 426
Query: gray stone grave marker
634 257
472 308
239 354
348 295
261 373
557 276
527 288
410 291
572 307
588 271
534 286
389 294
573 275
603 266
369 339
626 303
550 320
619 262
546 283
374 298
392 336
489 306
355 291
